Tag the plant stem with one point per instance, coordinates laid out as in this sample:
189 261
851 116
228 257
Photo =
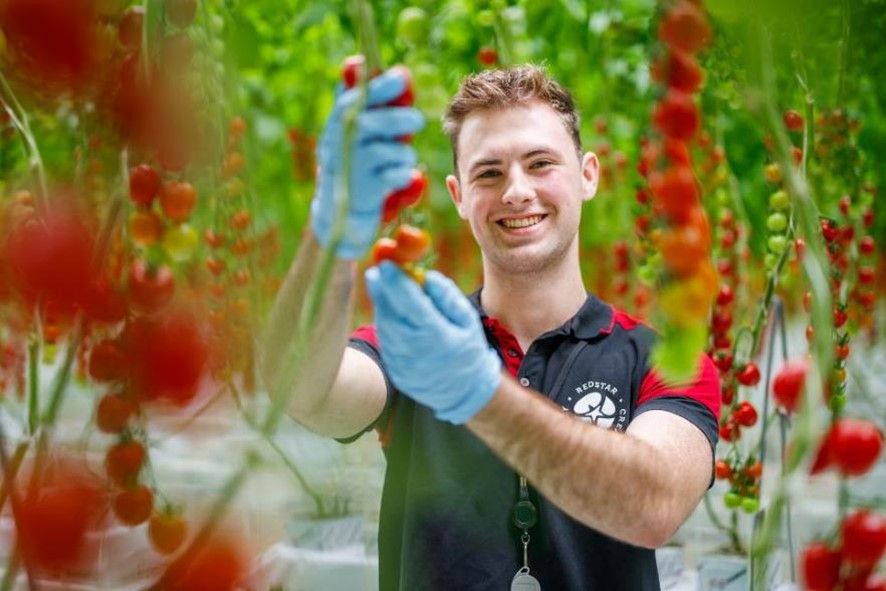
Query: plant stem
19 118
33 383
10 470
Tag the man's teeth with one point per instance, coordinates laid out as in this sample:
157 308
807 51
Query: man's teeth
522 222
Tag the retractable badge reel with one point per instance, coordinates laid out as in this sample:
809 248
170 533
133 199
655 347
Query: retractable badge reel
525 515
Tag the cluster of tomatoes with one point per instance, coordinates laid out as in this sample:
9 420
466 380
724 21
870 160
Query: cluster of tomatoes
744 480
304 164
850 562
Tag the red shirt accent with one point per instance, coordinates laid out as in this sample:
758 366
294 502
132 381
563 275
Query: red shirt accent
507 342
367 333
623 319
704 387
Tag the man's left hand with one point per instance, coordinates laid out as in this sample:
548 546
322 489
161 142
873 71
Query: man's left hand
432 343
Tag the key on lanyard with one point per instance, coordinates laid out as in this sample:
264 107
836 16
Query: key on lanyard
525 516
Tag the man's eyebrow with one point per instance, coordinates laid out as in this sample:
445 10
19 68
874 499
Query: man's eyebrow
485 162
492 161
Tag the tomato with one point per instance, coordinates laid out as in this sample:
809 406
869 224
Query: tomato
216 266
177 200
855 445
407 97
864 537
233 164
123 462
108 362
104 303
866 275
721 322
213 240
241 219
823 456
413 25
829 230
730 431
788 384
133 506
678 70
352 70
53 520
179 242
129 29
754 471
676 115
150 288
217 565
145 228
181 12
412 243
840 318
748 375
405 197
820 565
685 27
166 532
487 56
685 248
772 172
676 191
169 356
723 360
750 504
732 500
51 257
777 222
113 412
725 296
237 127
144 183
722 470
793 120
867 245
745 414
385 249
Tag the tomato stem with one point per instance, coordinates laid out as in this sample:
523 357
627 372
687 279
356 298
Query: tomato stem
33 383
20 121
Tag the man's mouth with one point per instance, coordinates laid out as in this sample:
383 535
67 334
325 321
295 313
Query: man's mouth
523 222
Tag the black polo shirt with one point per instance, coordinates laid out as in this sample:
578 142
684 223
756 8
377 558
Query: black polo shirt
445 514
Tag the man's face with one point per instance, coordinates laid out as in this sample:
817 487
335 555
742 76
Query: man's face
521 186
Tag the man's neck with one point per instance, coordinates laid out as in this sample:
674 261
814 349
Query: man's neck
531 305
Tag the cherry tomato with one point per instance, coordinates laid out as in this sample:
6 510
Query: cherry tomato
487 56
723 360
788 384
676 190
821 566
407 97
241 219
144 183
215 265
104 303
179 242
385 249
677 69
405 197
124 461
213 240
218 565
732 500
145 228
150 288
793 120
113 412
867 245
754 471
133 506
750 504
53 520
730 431
749 375
855 445
178 200
685 248
108 362
166 532
685 27
676 115
725 295
412 243
237 127
352 69
722 470
864 537
181 12
745 414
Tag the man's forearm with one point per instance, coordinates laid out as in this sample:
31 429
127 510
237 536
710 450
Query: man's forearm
281 347
610 481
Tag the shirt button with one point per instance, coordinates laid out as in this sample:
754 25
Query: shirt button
512 353
524 382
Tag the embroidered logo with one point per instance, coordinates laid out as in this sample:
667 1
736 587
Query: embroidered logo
599 403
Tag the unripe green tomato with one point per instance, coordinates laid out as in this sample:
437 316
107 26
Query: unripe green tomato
837 402
646 273
732 500
180 241
750 505
777 222
413 25
770 261
486 18
777 243
779 201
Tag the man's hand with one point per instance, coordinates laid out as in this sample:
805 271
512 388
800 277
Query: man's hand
432 343
380 163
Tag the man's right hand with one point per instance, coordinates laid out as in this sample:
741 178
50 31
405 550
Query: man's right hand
380 163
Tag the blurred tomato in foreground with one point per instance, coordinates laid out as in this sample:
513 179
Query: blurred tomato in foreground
218 565
53 520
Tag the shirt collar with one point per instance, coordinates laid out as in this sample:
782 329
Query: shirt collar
594 318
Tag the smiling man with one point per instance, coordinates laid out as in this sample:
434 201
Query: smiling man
528 439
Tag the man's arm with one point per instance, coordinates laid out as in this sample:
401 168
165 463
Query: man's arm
638 486
341 390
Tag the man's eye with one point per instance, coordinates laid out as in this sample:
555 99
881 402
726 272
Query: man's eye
541 164
488 174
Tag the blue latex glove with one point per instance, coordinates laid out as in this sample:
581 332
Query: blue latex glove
379 163
432 343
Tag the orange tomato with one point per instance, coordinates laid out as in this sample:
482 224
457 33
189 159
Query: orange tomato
133 506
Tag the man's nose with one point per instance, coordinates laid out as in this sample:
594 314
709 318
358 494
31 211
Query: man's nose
518 188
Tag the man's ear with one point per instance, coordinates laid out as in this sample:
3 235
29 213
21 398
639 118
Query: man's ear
454 188
590 175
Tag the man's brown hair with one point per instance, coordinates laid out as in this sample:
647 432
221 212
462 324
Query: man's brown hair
508 87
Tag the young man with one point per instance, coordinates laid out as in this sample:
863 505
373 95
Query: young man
528 376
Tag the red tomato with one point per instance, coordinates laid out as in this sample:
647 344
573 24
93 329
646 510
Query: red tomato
144 183
407 97
676 190
685 248
169 356
676 115
124 461
108 362
754 471
412 243
167 532
385 249
723 360
181 12
855 445
749 375
217 565
730 431
405 197
150 288
104 303
864 537
113 412
54 519
745 414
677 70
722 470
178 200
725 296
487 56
213 240
793 120
352 69
788 384
685 27
821 566
133 506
